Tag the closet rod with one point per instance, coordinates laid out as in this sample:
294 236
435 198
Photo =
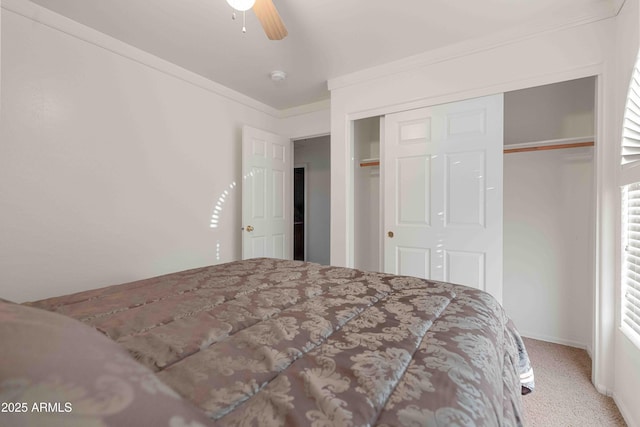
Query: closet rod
364 164
513 150
549 147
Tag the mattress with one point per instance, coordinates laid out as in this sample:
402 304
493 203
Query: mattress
276 342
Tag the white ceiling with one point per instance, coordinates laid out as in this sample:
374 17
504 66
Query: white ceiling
327 38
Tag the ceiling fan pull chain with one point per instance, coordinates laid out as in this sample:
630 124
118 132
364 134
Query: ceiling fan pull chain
244 28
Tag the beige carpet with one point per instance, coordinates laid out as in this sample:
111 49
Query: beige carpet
564 395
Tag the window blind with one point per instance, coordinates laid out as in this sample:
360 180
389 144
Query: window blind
631 124
631 278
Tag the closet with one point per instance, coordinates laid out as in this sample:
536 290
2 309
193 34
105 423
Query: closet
548 208
549 211
367 208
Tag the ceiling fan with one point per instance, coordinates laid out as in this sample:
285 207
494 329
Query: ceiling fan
267 14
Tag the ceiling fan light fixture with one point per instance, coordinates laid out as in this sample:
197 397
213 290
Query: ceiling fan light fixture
266 13
241 5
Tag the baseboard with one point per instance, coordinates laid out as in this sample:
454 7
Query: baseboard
556 340
589 351
625 412
603 390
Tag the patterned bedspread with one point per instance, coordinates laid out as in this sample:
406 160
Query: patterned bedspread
274 342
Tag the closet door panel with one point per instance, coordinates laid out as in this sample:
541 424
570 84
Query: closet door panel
412 190
465 189
413 261
442 176
467 123
466 268
415 131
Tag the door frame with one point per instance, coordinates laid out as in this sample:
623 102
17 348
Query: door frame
265 158
606 218
305 166
306 188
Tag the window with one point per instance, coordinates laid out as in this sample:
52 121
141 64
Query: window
631 276
630 160
631 126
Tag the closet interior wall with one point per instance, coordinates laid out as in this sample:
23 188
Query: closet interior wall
367 218
549 213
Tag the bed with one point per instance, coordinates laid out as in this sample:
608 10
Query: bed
264 342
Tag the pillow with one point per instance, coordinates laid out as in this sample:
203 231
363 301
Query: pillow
56 371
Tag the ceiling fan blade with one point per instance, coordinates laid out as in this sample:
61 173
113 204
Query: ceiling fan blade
271 22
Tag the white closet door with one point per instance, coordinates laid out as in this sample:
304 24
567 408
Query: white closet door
443 193
267 195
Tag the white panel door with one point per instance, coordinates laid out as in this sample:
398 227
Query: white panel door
442 169
267 192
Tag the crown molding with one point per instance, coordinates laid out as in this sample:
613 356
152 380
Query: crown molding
89 35
617 6
313 107
597 12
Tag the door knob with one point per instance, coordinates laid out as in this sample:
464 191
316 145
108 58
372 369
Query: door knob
249 228
390 234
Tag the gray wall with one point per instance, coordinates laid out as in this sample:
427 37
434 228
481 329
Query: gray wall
314 152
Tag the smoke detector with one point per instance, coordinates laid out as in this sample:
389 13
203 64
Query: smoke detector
278 75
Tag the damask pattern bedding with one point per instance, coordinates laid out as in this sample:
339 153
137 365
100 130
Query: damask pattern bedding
275 342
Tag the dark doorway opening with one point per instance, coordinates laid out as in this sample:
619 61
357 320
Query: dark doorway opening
298 213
